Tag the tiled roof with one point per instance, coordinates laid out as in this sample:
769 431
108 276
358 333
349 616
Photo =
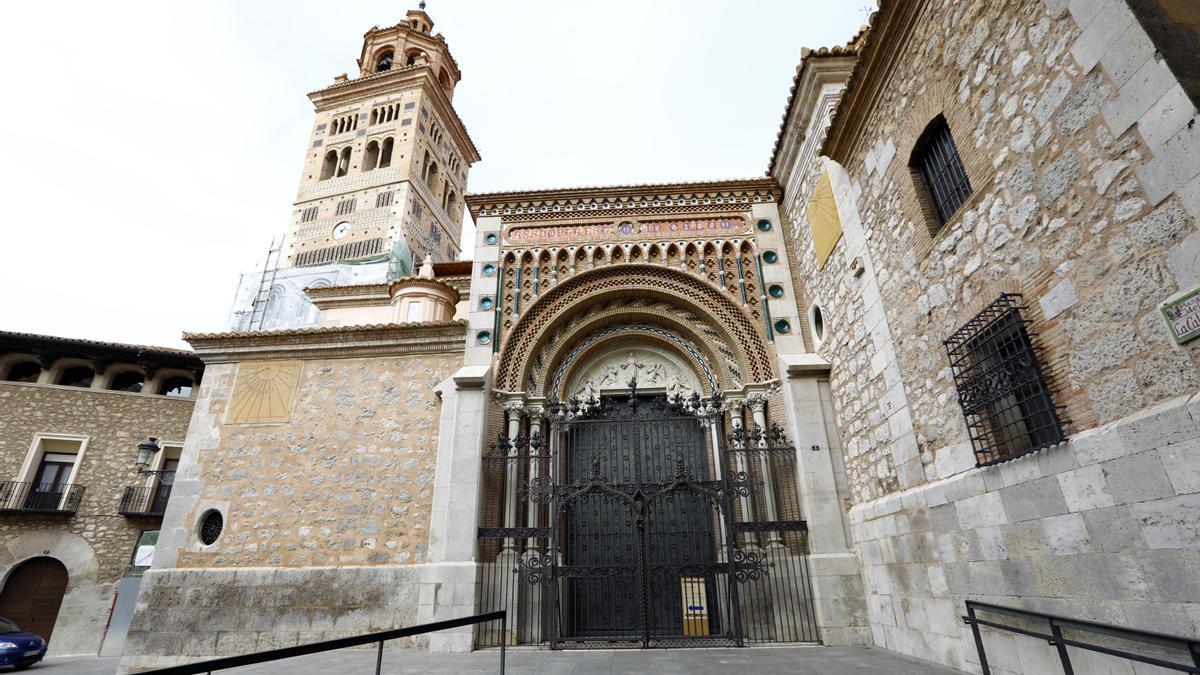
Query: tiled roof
849 49
12 341
319 330
762 182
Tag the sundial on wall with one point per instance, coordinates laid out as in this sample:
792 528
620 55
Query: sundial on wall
263 392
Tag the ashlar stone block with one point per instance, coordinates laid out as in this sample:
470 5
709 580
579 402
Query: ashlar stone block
1085 489
1182 464
1114 529
1137 478
1171 523
1036 499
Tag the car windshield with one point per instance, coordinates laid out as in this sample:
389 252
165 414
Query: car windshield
7 626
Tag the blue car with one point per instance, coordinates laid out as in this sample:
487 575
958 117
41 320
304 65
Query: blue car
18 648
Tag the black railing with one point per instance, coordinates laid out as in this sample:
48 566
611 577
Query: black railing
144 501
330 645
1076 633
40 497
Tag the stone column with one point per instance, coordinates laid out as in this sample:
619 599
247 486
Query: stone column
758 408
740 465
537 436
530 614
513 411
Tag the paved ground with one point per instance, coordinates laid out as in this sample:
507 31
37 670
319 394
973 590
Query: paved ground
755 661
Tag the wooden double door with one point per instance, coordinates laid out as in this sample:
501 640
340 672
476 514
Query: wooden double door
33 594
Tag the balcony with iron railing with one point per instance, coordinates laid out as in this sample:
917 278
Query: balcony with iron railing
29 497
145 501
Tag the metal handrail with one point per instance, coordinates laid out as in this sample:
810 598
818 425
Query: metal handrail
1057 623
340 643
40 497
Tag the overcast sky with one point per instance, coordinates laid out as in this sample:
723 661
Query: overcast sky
155 147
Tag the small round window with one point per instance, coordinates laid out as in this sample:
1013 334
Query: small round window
486 302
818 323
484 337
770 257
488 269
490 238
764 225
211 525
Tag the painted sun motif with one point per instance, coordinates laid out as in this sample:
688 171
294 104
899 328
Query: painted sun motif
824 219
263 392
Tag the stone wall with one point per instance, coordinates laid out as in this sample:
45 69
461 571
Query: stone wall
1077 171
96 544
326 516
1103 528
348 481
1081 150
204 613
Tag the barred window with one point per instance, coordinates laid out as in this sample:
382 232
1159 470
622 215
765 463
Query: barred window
345 206
384 199
935 158
1001 387
310 214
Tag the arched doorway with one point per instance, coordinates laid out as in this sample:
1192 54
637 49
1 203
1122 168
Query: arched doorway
33 593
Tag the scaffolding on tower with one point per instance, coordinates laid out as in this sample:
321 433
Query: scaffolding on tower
267 281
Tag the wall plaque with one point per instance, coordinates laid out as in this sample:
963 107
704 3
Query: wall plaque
628 229
1183 317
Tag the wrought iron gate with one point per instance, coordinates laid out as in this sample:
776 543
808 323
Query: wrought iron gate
641 530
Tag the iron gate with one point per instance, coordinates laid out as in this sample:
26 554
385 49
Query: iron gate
636 535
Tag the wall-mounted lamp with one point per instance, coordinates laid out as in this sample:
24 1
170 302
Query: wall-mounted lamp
146 451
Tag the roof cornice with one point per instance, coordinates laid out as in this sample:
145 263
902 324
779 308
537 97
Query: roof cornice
815 70
33 343
765 187
888 35
335 342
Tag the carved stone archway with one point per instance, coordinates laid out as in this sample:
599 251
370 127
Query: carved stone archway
652 369
713 317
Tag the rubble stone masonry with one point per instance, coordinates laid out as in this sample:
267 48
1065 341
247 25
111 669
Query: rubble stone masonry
325 517
1082 149
95 544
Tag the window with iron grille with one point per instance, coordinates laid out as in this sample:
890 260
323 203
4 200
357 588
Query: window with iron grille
936 159
310 214
384 199
345 206
1001 387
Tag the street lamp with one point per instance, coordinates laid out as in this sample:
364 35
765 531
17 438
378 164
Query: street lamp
146 451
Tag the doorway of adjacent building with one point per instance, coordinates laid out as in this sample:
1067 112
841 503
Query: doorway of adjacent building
33 594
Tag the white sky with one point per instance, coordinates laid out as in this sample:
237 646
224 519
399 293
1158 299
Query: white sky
155 147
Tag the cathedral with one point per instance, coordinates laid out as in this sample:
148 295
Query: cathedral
941 351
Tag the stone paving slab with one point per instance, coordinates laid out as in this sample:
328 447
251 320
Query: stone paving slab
753 661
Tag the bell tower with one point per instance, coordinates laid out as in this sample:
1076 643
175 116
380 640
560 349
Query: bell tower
388 155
